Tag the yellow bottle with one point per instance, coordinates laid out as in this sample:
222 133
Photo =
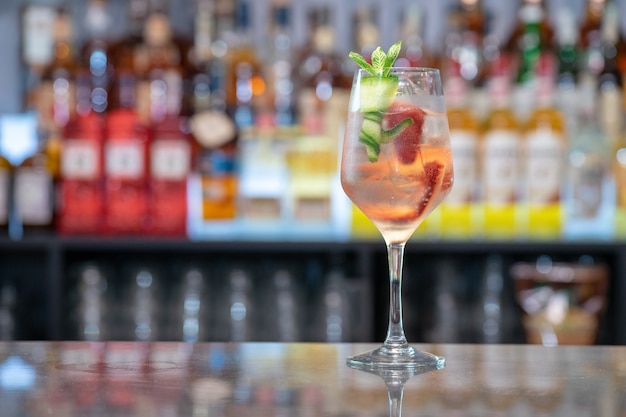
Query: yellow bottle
499 159
544 147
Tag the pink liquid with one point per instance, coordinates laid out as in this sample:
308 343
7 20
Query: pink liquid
397 196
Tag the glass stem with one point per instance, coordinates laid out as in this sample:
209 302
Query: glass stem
395 330
395 393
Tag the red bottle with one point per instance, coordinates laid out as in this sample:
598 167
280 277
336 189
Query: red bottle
170 164
126 173
80 188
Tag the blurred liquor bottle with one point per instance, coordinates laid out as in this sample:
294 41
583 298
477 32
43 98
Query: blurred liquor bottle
618 165
321 74
500 157
125 163
590 196
531 38
410 30
263 182
590 40
365 33
544 147
37 49
34 187
128 55
245 87
590 28
280 67
170 166
214 130
458 212
96 66
80 185
57 96
35 178
170 148
610 77
568 67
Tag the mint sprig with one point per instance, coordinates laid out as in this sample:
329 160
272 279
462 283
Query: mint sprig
372 133
381 62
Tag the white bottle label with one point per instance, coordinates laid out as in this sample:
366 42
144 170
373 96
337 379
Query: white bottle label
463 145
124 159
33 196
79 159
170 159
500 175
544 166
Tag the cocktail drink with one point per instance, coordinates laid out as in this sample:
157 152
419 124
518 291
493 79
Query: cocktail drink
396 167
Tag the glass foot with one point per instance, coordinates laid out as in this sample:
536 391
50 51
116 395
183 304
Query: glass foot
395 358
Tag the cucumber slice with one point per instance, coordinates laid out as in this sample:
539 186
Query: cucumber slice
377 93
370 137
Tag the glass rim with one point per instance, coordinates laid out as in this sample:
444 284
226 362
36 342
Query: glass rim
425 70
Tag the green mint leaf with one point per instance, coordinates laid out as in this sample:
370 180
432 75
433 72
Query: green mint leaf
378 60
361 62
392 55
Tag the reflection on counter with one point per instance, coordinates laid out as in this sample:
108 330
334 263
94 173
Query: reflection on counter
221 380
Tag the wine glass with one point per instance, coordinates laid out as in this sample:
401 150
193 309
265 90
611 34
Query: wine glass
396 167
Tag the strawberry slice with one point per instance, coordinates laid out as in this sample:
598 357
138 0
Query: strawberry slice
406 142
433 178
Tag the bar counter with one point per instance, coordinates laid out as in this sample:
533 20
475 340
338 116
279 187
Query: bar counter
304 379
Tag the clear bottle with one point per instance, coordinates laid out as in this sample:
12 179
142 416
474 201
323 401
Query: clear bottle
543 162
590 195
500 158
